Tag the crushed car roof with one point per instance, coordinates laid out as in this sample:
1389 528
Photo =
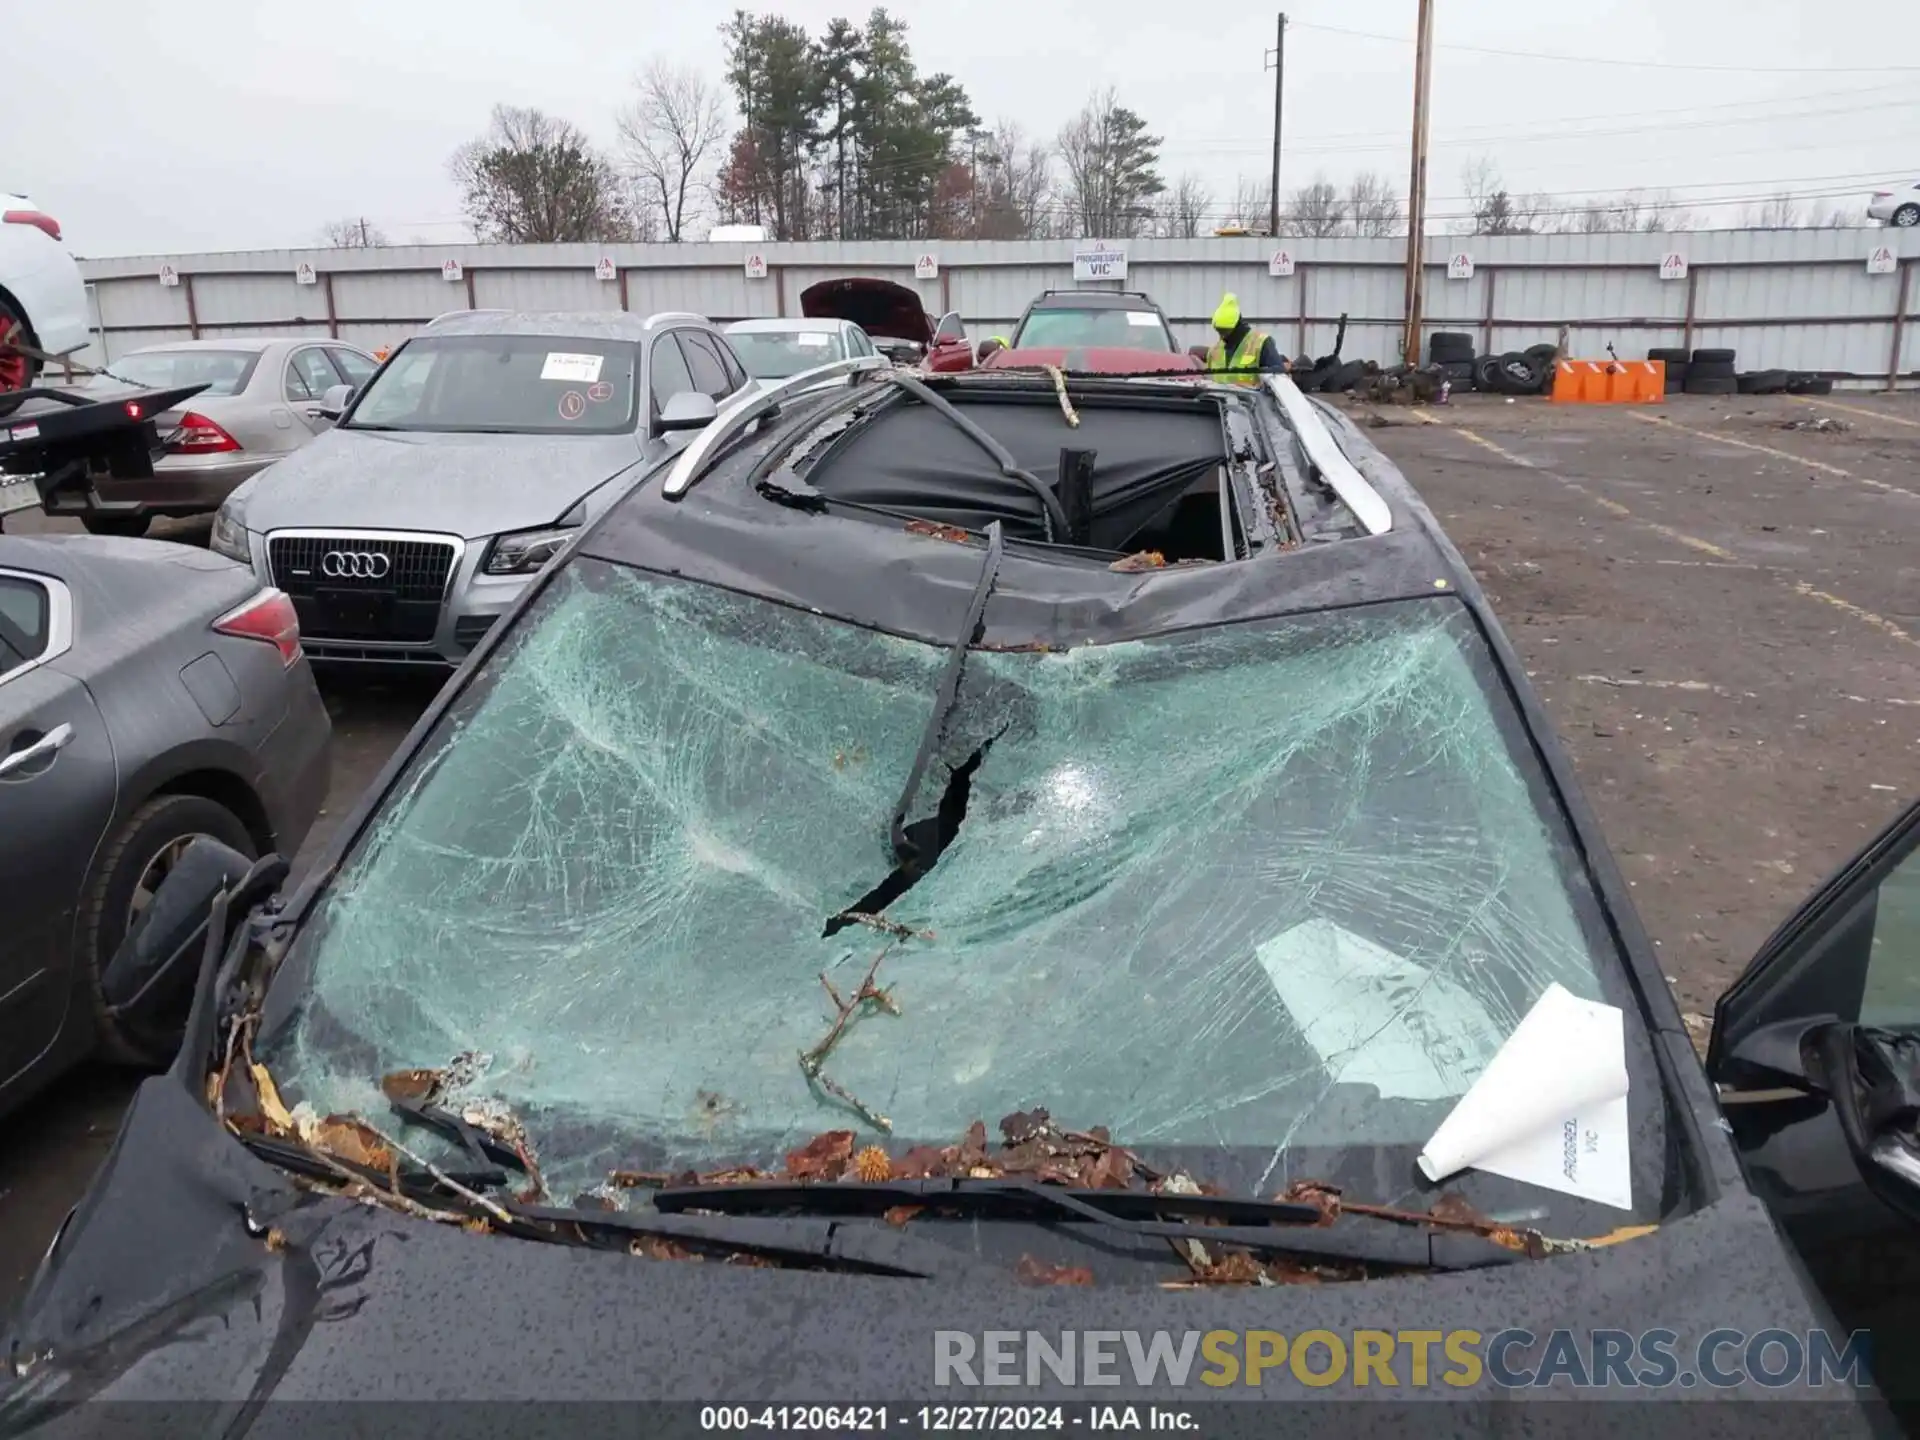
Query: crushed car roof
824 551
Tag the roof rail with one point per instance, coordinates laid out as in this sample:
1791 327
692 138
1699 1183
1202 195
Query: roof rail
743 410
1081 290
1329 459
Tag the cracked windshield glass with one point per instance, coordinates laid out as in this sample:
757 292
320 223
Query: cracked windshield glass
1246 888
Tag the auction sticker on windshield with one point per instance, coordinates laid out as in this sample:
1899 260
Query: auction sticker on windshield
1146 319
813 342
564 366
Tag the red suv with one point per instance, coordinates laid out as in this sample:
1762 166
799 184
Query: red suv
1111 332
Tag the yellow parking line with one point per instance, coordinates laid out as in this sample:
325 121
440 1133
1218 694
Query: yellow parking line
1820 465
1800 587
1862 410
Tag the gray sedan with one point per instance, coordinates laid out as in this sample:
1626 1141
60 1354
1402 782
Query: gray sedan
262 402
149 694
778 349
482 447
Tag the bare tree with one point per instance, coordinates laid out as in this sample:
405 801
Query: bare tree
1841 218
1782 212
1314 209
354 233
1182 211
671 137
1372 207
1112 167
1016 178
1252 202
533 177
1495 210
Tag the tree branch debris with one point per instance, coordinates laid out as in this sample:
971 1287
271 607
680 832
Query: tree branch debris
866 999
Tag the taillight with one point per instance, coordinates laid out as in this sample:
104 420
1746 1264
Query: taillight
39 219
268 616
197 435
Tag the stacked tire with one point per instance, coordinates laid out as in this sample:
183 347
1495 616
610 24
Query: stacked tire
1711 372
1676 363
1452 351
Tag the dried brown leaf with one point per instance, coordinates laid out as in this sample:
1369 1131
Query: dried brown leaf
354 1141
899 1215
1138 561
1318 1193
1453 1209
922 1162
477 1225
659 1247
278 1116
276 1240
952 533
418 1087
973 1149
1023 1125
824 1157
1113 1170
1041 1272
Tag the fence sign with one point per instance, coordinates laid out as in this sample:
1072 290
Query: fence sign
1280 263
756 265
450 270
1460 266
1673 266
604 269
1880 260
1100 262
303 274
926 267
169 275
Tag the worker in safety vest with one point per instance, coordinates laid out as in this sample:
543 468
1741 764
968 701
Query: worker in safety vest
1240 348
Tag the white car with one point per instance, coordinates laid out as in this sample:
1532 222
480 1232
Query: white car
1899 206
40 289
774 349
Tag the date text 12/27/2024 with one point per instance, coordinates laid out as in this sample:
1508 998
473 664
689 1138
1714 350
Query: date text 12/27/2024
941 1419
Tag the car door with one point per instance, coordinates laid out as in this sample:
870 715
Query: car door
355 367
309 374
1819 1034
56 798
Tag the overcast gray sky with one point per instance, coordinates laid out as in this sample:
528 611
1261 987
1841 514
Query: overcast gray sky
244 124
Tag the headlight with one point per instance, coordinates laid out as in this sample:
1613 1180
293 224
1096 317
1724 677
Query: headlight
525 551
230 538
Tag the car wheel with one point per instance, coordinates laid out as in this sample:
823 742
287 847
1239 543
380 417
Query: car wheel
1763 382
1669 354
130 526
135 860
1518 374
1486 373
1713 357
17 372
1907 216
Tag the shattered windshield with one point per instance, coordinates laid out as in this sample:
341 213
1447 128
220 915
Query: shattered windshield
1260 885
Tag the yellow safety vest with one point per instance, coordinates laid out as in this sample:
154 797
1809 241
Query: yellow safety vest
1246 359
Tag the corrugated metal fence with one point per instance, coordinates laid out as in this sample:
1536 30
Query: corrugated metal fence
1815 300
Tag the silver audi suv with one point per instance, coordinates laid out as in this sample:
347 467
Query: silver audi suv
466 463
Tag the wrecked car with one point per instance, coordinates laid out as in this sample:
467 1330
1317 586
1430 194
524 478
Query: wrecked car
967 854
1110 332
894 319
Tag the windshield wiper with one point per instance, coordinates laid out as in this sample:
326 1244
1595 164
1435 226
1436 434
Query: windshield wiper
1291 1227
819 1244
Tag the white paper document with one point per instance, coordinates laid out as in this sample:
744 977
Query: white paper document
562 365
1550 1109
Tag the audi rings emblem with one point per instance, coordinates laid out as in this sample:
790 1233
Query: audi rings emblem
355 565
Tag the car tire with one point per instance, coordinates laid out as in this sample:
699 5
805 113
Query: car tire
1712 385
1671 354
1810 385
1713 357
1517 373
1711 370
131 527
1907 216
1345 377
17 372
1446 346
1677 372
134 859
1486 374
1763 382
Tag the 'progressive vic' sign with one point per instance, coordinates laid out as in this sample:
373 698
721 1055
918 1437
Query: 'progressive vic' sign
1099 262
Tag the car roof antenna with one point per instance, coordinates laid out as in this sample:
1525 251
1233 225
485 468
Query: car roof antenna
904 850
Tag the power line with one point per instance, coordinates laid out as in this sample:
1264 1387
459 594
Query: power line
1630 64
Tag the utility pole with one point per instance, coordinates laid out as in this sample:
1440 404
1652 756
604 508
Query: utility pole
1279 83
363 232
1417 185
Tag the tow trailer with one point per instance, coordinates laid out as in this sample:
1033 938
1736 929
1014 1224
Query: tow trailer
66 454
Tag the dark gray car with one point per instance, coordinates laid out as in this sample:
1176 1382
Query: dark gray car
149 693
479 450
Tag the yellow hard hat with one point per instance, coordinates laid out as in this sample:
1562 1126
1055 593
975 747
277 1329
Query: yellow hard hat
1228 315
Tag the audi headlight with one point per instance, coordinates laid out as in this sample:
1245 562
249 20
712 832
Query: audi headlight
524 551
230 538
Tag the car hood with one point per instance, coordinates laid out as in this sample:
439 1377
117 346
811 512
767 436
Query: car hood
1093 359
468 485
193 1272
879 307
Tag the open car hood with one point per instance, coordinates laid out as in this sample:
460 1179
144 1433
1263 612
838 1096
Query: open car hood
1094 359
882 308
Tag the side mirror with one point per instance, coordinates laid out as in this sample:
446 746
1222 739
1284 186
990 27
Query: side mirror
992 345
1200 352
150 978
689 410
334 403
